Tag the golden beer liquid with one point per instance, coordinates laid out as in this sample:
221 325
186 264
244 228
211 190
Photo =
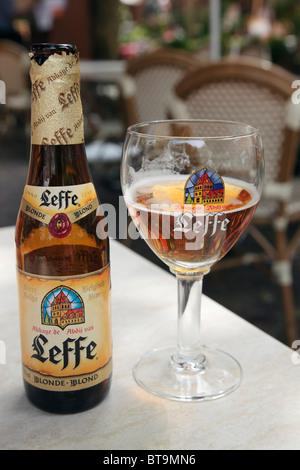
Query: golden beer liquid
46 257
190 237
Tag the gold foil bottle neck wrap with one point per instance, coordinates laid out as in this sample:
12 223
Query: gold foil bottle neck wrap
56 109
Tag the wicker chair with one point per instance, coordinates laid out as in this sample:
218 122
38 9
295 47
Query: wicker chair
259 93
152 78
14 73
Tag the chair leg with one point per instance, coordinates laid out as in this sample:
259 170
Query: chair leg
283 273
289 314
283 269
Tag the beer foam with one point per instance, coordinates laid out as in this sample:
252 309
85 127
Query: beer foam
162 203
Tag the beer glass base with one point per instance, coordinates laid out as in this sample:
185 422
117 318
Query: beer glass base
220 375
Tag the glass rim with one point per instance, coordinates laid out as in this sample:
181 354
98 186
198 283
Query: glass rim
252 131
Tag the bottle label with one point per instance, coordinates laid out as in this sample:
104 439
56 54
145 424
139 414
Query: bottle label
59 206
65 330
56 110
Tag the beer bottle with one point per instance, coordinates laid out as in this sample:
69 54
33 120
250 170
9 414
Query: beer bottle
63 267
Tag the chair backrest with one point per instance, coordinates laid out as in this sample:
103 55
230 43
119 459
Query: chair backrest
14 67
154 76
248 90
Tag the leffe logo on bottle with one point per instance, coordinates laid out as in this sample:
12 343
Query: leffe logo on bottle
62 200
59 207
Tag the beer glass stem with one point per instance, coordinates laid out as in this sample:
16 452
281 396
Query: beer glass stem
189 356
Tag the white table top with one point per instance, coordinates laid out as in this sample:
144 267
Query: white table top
264 413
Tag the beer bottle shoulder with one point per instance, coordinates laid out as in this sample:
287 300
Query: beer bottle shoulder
80 252
58 165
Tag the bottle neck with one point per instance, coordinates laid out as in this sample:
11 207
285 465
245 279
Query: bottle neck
57 139
58 165
56 110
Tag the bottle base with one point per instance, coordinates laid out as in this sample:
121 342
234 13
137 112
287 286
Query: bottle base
67 402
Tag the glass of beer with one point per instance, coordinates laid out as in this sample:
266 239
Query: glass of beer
191 188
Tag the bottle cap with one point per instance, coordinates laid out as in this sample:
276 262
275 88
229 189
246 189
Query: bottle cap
41 51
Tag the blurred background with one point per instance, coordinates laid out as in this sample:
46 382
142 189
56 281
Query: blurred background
111 36
122 29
